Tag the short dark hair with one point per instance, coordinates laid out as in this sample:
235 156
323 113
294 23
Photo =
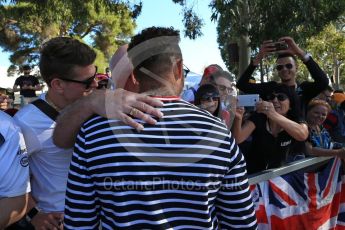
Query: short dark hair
284 55
224 74
156 57
295 112
61 54
338 91
26 67
207 89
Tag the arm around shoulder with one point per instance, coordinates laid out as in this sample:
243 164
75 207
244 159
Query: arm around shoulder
69 122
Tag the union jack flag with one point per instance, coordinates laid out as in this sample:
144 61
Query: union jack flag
301 200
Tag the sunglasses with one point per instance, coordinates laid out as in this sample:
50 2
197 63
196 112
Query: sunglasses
186 70
279 96
88 82
287 66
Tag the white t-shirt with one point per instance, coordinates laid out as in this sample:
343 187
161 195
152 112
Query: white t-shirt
49 164
14 165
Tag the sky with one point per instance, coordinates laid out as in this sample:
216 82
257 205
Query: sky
197 54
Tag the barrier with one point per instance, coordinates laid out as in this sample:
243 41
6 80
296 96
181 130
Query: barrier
306 163
305 194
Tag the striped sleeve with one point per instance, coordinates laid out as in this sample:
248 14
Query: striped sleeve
80 204
234 205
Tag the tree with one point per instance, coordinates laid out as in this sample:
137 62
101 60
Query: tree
271 19
249 23
328 48
26 24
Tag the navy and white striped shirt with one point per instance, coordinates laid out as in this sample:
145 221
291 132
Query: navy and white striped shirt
185 172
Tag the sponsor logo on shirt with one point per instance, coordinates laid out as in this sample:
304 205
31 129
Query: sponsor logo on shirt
286 143
22 154
24 161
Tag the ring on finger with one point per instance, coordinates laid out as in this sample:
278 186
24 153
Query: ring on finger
133 112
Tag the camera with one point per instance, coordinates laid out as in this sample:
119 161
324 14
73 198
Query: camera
280 46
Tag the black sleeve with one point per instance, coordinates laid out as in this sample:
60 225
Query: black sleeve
312 89
245 86
35 81
18 81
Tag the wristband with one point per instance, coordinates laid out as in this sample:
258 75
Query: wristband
306 57
31 214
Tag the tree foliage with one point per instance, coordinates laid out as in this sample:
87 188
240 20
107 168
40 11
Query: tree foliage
271 19
26 24
328 48
259 20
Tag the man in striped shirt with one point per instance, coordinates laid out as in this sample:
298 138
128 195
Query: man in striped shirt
184 172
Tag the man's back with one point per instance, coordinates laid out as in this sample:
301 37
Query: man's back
185 172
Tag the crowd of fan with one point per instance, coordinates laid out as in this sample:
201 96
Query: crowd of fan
292 120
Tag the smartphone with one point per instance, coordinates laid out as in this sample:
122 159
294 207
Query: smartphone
247 100
280 46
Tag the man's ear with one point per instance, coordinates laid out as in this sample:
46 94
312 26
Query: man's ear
57 85
178 69
132 84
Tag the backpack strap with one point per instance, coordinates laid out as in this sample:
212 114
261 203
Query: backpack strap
46 108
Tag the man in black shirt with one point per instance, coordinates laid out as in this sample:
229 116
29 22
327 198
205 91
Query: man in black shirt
28 85
286 65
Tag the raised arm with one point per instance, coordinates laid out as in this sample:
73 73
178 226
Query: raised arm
243 83
299 131
311 89
111 104
241 132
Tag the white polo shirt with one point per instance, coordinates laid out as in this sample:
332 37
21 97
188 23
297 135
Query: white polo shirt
14 165
49 164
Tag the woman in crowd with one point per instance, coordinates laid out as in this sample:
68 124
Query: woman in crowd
320 142
207 97
275 127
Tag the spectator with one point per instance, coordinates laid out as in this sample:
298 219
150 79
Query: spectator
320 142
225 83
14 172
335 123
28 85
67 67
117 102
189 94
326 95
275 128
175 150
207 97
228 96
102 81
286 65
3 102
